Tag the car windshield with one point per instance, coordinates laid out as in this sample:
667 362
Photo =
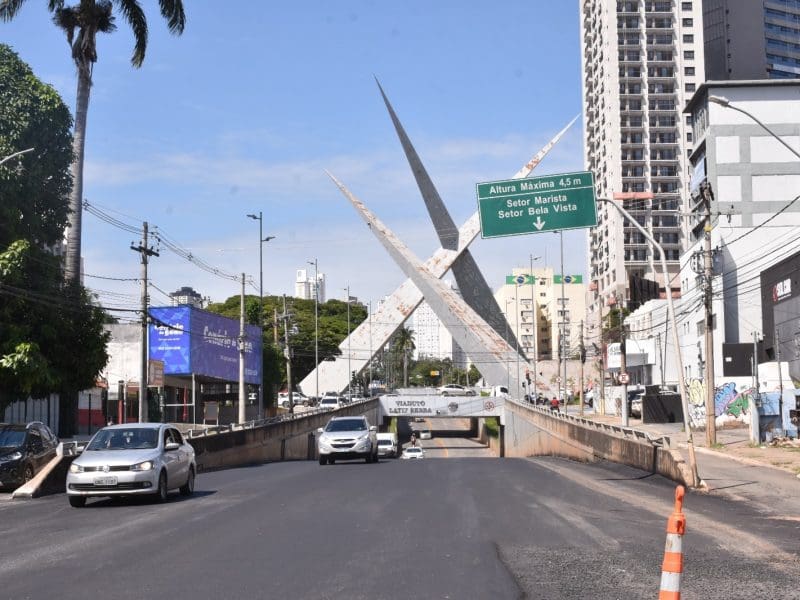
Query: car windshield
329 401
413 450
139 438
384 442
11 437
347 425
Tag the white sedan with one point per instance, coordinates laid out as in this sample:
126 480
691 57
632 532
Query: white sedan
453 389
132 459
413 452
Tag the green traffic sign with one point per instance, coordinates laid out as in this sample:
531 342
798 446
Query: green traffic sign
537 204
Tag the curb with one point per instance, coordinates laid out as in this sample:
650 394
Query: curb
742 460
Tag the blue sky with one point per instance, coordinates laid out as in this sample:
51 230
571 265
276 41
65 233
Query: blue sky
247 108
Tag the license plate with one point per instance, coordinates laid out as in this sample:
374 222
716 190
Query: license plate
105 480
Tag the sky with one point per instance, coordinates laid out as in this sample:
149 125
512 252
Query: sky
248 108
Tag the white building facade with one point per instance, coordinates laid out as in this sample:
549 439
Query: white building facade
641 61
305 286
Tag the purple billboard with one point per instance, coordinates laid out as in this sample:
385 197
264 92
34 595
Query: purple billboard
190 340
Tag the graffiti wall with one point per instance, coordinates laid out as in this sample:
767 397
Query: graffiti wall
731 405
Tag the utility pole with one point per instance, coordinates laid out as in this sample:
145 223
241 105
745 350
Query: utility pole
145 252
623 366
754 433
316 325
780 377
602 354
287 353
242 391
516 321
349 354
583 360
275 325
708 273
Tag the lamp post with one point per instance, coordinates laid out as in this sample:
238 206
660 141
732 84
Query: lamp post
675 338
516 322
349 354
535 325
316 324
723 101
261 240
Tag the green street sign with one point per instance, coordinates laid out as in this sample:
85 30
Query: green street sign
537 204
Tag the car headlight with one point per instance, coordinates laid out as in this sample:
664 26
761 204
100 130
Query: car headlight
74 468
10 457
143 466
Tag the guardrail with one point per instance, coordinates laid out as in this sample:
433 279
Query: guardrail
623 432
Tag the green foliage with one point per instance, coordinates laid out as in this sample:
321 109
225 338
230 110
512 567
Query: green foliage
51 336
492 427
300 327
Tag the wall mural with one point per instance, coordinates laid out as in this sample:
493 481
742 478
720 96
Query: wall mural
730 405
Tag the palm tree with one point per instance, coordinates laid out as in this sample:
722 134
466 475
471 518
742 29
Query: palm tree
404 340
81 23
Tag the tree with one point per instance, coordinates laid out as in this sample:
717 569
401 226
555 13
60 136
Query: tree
51 335
403 344
81 24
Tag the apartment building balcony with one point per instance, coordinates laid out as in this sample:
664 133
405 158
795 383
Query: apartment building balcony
661 40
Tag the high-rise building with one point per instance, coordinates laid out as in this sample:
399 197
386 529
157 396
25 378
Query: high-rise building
305 286
751 39
641 62
539 329
186 295
433 340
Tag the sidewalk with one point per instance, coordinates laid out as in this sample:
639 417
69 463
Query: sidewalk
766 475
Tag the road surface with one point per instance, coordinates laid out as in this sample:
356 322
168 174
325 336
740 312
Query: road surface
460 528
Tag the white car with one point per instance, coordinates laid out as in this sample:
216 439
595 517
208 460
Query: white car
347 437
132 459
413 452
329 403
297 399
453 389
425 434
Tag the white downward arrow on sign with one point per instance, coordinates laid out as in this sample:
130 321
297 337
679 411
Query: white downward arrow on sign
538 223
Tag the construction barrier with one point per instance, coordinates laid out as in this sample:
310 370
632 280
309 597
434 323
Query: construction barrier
672 568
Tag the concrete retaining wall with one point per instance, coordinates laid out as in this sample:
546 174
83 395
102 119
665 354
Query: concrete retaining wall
286 440
534 431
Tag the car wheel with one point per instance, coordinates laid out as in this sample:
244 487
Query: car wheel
161 493
323 460
77 501
188 488
331 460
285 404
27 474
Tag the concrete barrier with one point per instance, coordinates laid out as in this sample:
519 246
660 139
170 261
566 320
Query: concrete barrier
288 439
535 431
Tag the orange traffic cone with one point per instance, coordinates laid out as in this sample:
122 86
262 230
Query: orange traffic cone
672 568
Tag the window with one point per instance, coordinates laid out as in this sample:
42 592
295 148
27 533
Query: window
690 87
688 54
688 71
686 6
688 22
688 38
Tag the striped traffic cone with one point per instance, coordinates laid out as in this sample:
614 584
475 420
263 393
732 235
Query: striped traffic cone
672 567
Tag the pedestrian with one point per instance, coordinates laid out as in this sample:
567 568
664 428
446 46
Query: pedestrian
554 404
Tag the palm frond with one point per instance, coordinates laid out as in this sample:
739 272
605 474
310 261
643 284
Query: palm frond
66 19
172 11
9 8
132 12
54 5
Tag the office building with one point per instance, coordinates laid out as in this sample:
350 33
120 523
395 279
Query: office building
305 286
751 39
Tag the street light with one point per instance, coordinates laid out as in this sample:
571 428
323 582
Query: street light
349 372
535 324
675 338
261 240
10 156
723 101
316 323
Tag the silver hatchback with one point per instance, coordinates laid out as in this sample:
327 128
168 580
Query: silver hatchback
132 459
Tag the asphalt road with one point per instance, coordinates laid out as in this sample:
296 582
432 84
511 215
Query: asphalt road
461 528
450 439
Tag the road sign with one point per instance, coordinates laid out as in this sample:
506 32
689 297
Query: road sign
623 378
537 204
